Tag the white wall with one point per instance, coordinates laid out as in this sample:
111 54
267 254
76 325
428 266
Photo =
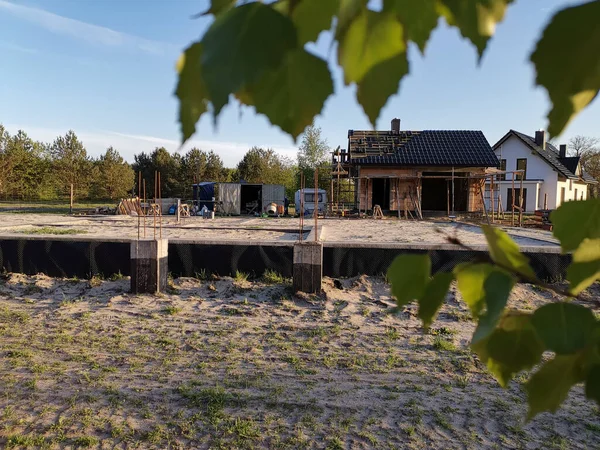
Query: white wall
537 169
570 186
531 201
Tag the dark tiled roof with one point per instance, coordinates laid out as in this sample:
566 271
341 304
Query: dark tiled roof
444 148
588 178
570 163
550 154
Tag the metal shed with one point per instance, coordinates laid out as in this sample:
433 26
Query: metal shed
272 193
230 198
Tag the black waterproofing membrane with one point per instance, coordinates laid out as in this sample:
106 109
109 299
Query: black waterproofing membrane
82 259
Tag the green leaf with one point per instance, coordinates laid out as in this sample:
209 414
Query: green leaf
497 288
514 346
433 297
379 84
240 47
349 10
585 268
191 91
371 38
409 275
419 18
294 93
313 16
476 19
573 38
219 6
575 221
470 279
564 328
505 252
592 384
550 385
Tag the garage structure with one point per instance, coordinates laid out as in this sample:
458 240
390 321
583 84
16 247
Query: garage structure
247 198
417 171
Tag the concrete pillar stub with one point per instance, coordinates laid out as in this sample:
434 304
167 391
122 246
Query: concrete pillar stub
149 267
308 267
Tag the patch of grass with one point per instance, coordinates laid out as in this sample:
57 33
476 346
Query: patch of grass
8 315
272 277
19 354
441 420
52 230
439 343
335 443
25 440
116 276
593 427
240 277
392 334
86 441
172 310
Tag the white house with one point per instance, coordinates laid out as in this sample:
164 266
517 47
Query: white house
550 176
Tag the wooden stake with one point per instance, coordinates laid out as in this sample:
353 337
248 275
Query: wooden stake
71 201
521 201
512 220
484 208
492 196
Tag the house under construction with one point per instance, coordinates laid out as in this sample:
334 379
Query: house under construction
411 172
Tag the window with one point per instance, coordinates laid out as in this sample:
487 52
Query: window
522 165
571 185
562 194
576 195
502 177
310 198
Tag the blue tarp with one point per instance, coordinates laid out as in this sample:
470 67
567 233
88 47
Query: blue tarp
203 194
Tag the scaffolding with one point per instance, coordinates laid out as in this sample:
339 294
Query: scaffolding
485 187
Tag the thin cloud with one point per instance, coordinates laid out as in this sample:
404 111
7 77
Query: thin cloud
17 48
93 34
128 145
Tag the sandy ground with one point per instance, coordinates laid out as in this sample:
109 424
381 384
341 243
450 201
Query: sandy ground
221 363
245 229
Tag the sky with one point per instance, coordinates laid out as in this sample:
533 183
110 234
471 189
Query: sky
106 69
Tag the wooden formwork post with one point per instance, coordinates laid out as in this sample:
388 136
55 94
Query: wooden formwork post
512 219
71 200
521 201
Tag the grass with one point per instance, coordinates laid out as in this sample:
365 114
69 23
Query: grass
240 277
439 343
52 230
50 207
272 277
242 370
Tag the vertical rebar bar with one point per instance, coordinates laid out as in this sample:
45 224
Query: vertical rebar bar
154 205
144 183
316 211
139 201
160 208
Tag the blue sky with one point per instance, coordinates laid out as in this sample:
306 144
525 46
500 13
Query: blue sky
106 70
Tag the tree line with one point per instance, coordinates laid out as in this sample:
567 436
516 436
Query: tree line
33 170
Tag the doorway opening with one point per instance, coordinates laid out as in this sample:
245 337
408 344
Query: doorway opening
381 193
251 198
436 193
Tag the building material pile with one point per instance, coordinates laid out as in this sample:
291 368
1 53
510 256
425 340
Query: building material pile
130 207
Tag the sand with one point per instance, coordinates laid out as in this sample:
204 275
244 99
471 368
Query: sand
279 230
221 363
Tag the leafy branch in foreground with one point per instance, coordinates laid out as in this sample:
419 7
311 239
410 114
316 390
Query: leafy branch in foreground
255 52
510 341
